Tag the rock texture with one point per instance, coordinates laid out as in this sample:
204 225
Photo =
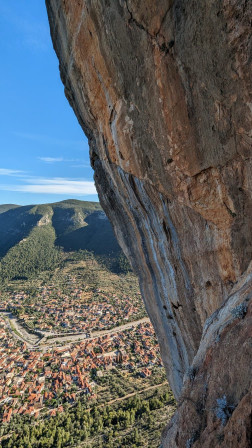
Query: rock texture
162 89
215 407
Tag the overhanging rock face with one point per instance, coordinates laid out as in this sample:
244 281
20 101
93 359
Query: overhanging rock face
162 90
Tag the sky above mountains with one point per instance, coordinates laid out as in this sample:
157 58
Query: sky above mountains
44 153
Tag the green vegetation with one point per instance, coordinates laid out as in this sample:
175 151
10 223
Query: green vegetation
6 207
15 225
37 238
133 422
33 254
115 384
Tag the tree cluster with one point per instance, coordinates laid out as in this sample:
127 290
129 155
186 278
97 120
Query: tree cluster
78 424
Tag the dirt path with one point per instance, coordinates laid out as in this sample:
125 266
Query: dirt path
132 394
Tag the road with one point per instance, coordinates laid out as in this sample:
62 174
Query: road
94 335
18 331
34 341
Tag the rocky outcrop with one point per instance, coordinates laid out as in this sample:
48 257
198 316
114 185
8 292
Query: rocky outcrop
162 90
215 407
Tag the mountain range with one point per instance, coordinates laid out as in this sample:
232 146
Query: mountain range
33 237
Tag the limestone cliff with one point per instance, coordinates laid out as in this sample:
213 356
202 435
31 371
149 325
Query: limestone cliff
162 89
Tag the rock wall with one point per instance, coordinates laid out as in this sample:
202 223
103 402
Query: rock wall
162 89
215 406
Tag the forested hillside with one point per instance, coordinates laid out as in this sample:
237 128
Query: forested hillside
38 237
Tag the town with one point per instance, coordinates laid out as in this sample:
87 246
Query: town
74 310
70 302
35 381
42 367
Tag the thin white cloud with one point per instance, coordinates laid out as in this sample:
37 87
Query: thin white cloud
51 159
55 185
9 172
81 163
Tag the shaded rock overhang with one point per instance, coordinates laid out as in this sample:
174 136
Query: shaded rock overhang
162 89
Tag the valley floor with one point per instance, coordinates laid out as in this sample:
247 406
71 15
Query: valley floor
49 367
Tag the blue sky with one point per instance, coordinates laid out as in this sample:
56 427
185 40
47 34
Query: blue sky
44 152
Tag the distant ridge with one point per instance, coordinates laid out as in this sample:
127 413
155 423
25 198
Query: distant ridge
6 207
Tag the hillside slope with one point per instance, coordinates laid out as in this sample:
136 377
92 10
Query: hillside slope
6 207
34 237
